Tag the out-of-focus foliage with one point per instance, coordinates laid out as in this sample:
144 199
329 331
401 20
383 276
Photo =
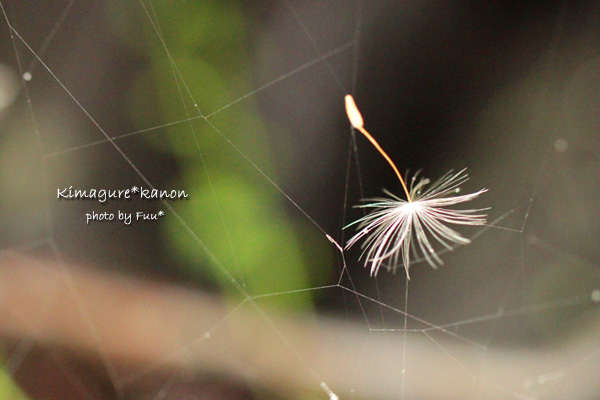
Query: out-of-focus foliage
238 216
8 389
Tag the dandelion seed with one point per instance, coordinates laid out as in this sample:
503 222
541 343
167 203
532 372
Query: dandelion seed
395 224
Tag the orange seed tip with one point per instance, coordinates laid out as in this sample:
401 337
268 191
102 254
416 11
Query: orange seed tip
353 113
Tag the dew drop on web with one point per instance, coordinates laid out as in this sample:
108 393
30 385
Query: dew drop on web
596 295
560 145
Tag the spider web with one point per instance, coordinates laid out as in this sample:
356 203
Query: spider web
510 316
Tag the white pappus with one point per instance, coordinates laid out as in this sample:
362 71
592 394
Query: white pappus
397 228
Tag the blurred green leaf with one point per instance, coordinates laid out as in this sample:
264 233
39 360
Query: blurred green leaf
232 209
8 389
